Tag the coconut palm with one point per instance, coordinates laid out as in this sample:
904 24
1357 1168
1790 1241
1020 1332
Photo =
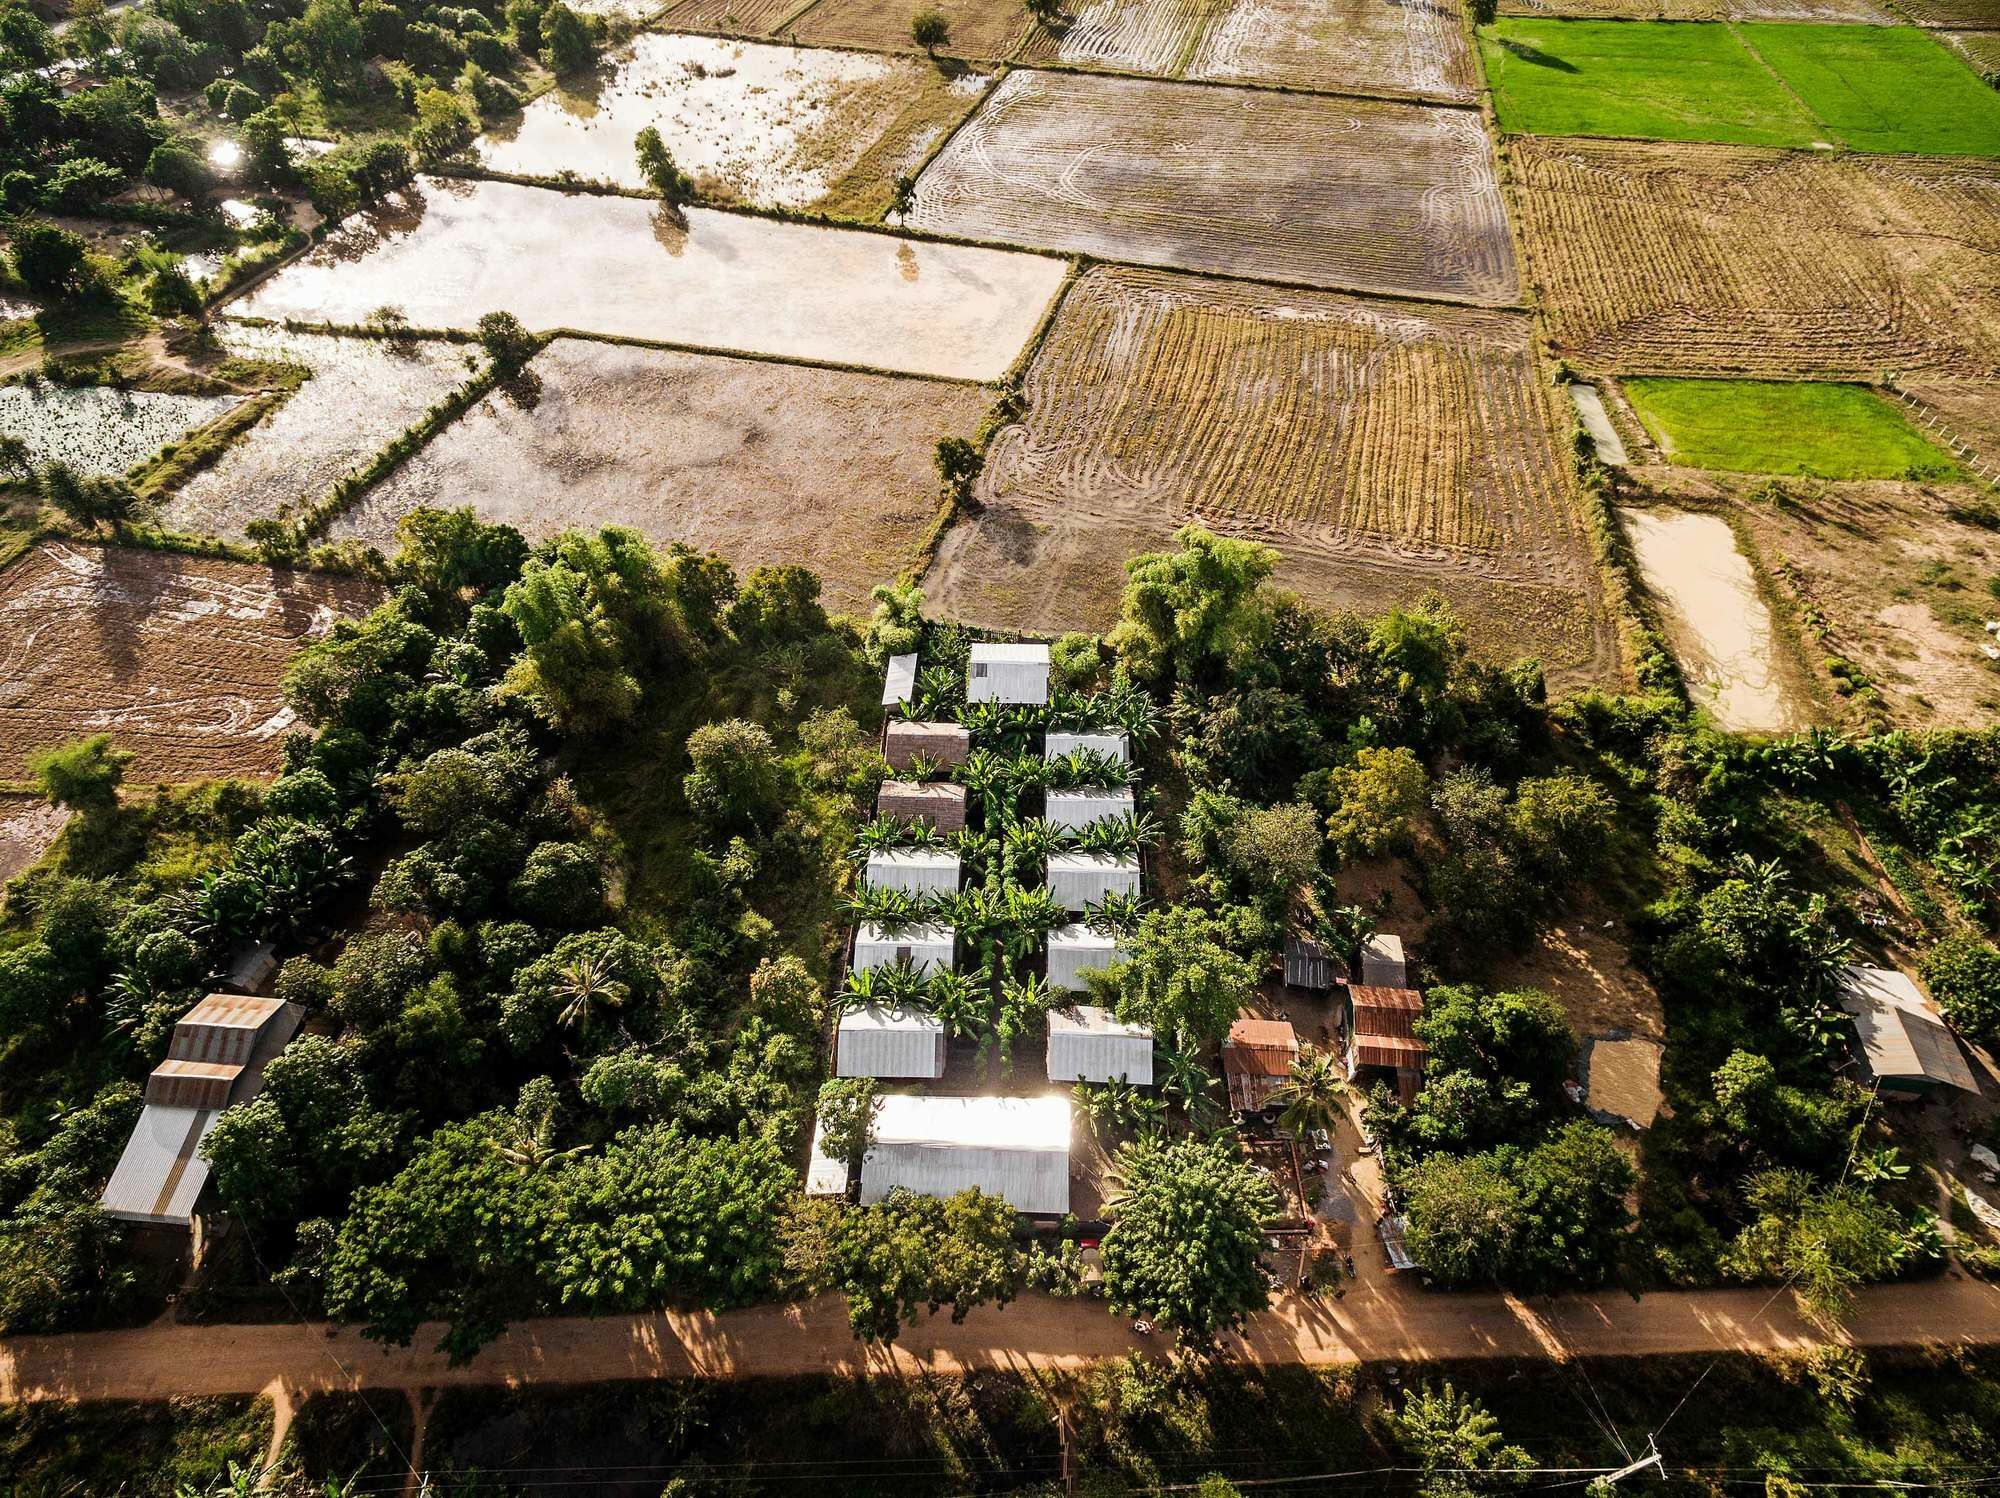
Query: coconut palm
1309 1100
589 982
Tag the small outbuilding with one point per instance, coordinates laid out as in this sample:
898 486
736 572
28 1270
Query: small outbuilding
1076 949
1058 743
1381 1033
937 803
915 871
1008 673
215 1059
1081 807
899 682
1394 1228
1382 964
941 743
1257 1057
1308 964
873 1041
1090 1044
1905 1046
1079 880
925 948
1012 1147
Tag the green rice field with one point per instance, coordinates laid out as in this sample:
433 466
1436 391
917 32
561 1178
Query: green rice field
1764 426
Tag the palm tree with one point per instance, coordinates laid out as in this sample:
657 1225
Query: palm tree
586 984
1309 1099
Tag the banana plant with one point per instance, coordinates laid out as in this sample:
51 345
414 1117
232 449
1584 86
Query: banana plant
981 772
1032 911
1115 915
923 767
903 986
969 912
892 909
1024 1004
1183 1078
1127 704
861 989
1028 849
1122 836
881 833
940 693
963 1002
1076 768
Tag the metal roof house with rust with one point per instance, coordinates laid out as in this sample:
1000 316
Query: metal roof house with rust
1013 673
942 743
938 803
1257 1057
216 1058
1904 1045
1381 1033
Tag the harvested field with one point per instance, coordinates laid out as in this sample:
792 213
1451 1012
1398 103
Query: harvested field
1383 448
783 127
1967 15
1980 48
732 17
99 430
1396 46
29 826
449 252
362 394
987 30
1364 194
760 462
1665 259
1134 36
177 658
1969 411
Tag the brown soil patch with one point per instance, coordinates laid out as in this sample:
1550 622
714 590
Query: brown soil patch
732 17
29 826
1901 585
984 29
1967 410
1365 194
1971 15
1622 1078
759 462
1132 36
1585 967
1981 49
1679 259
1384 448
179 659
1411 47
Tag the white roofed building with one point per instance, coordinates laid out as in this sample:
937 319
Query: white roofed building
1082 879
1382 962
1081 807
915 871
1075 949
1008 673
1905 1046
925 948
876 1042
899 682
1089 1044
1011 1147
1057 743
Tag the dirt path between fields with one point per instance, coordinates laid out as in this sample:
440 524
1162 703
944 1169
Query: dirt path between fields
1396 1322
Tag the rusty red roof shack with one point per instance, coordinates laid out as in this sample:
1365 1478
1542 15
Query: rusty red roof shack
1256 1059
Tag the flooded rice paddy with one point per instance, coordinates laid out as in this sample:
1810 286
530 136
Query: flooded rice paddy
758 461
1715 619
771 125
98 430
1354 194
361 394
448 252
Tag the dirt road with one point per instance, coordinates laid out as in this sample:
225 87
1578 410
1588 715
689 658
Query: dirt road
1398 1321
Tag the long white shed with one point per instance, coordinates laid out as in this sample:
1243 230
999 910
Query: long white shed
1008 673
1074 949
1091 803
915 871
876 1042
925 948
899 681
1012 1147
1090 1044
1081 879
1056 744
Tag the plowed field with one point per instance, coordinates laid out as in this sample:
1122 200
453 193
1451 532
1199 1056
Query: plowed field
759 462
731 17
1971 15
1412 47
1384 448
1669 259
983 29
177 658
1137 36
1353 193
1981 49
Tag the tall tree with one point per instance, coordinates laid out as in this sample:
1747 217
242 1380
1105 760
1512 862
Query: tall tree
1187 1230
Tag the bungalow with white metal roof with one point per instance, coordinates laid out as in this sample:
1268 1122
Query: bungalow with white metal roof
874 1041
1076 949
915 871
1090 1044
1087 804
1011 673
1011 1147
1056 743
925 948
1079 880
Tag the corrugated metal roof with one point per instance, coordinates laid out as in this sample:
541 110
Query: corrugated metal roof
1087 804
1251 1034
1008 673
161 1172
1386 1050
1016 1148
1056 744
1382 962
1393 1230
1901 1035
1090 1044
1307 963
899 682
876 1042
1075 948
1080 879
1012 653
915 870
922 946
192 1084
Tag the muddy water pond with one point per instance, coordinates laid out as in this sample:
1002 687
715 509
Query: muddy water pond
1715 619
361 394
772 125
448 252
98 430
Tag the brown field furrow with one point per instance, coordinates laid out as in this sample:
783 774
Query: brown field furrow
1360 193
732 17
1136 36
1969 15
984 29
1417 47
1382 447
177 658
1724 260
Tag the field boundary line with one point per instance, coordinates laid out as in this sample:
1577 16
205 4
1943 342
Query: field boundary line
1251 86
1516 307
786 22
1939 427
755 356
1791 93
945 138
